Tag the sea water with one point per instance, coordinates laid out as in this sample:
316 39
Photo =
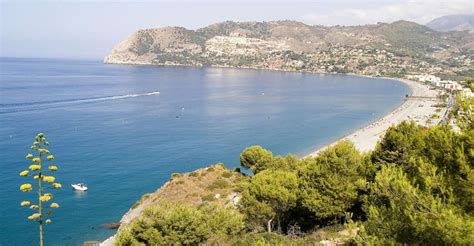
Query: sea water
123 130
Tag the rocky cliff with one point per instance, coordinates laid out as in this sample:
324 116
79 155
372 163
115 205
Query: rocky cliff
383 49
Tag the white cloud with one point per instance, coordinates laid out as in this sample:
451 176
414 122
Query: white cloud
420 11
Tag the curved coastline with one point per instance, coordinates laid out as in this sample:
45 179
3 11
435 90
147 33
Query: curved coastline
366 137
419 109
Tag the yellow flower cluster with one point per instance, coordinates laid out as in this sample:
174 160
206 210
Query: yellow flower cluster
34 167
25 203
26 187
43 151
36 177
54 205
24 173
36 159
48 221
53 168
50 157
49 179
46 197
29 156
34 216
57 185
34 207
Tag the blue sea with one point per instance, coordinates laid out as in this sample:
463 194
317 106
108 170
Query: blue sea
110 128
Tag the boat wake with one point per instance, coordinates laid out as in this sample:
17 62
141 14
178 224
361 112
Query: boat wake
28 106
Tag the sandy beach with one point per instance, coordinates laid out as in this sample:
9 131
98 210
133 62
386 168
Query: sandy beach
418 107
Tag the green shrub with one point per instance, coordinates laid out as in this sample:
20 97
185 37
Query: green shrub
255 158
208 198
176 224
267 197
218 184
329 183
238 189
226 174
194 174
401 212
261 239
210 169
176 175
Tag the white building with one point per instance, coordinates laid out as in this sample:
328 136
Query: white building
436 81
425 78
451 85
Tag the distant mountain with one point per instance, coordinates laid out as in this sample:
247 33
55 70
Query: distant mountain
382 49
452 23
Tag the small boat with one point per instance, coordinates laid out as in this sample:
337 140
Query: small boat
79 187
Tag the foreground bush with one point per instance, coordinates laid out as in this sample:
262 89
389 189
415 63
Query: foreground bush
267 197
176 224
400 212
330 183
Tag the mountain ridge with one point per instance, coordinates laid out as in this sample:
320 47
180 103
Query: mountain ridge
383 49
452 23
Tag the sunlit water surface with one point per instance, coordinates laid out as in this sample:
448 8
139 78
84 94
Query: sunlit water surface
124 129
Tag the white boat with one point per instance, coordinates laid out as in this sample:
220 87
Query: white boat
79 187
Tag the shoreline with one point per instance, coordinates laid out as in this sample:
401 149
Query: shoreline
366 137
419 109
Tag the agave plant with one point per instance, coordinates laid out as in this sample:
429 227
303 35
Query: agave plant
43 177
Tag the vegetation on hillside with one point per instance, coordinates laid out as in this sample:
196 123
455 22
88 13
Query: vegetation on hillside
172 223
416 187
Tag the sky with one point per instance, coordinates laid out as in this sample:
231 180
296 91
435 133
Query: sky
90 29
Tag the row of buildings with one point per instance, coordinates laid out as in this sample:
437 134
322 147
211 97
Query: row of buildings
449 85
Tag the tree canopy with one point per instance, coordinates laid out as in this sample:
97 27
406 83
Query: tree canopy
255 158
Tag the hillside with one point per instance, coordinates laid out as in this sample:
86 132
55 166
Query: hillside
383 49
214 184
452 23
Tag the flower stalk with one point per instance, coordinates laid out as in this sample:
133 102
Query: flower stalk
37 172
